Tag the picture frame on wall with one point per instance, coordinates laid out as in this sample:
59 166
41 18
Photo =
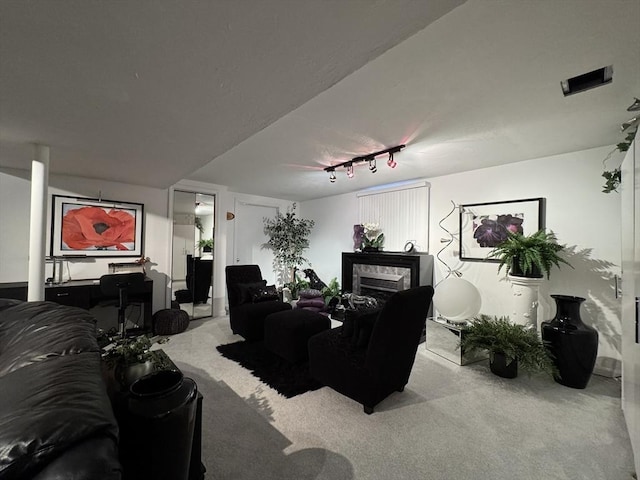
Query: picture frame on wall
96 227
484 225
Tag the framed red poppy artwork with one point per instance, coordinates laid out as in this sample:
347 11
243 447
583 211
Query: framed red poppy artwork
96 227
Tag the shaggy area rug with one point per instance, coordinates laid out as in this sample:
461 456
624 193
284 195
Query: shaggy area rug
287 379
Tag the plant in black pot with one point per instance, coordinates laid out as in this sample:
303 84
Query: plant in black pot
128 358
529 255
205 244
509 345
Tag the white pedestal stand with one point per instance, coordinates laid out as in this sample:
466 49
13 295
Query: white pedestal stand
525 300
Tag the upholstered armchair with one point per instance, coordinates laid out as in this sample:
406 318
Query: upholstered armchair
372 354
250 300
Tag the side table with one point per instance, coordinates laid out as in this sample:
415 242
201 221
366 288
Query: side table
443 339
158 361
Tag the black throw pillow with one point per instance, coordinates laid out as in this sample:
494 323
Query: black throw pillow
264 294
245 290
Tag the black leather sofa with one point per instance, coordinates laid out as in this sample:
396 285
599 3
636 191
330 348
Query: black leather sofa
56 420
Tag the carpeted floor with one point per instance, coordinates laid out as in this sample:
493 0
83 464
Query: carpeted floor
286 378
451 422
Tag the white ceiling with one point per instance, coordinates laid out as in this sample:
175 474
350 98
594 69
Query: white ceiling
264 94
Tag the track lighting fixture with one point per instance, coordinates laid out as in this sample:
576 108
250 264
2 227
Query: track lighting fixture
635 106
371 158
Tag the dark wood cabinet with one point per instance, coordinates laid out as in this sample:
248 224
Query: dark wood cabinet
83 294
72 296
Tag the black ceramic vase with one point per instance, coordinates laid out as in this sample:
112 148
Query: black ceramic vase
573 344
156 432
499 366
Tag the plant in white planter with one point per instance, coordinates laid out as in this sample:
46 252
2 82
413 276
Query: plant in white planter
288 239
528 258
529 255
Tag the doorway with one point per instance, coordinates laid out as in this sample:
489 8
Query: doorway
192 256
250 238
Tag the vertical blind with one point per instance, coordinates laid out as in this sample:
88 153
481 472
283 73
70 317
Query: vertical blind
402 213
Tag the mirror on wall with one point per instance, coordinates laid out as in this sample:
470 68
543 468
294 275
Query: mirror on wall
192 259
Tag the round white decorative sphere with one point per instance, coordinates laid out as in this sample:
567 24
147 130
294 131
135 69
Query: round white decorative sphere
457 299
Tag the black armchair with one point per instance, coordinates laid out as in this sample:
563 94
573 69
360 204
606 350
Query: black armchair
250 301
374 358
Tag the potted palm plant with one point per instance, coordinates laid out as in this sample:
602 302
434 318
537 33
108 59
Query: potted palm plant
530 256
509 345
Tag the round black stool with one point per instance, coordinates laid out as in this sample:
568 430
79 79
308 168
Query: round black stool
170 321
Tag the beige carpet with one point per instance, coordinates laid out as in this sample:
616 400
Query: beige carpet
451 422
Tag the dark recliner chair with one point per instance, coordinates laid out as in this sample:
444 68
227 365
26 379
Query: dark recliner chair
248 303
372 358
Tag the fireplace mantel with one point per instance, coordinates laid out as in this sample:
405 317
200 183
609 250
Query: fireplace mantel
420 264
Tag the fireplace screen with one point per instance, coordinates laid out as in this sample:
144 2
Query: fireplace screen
380 281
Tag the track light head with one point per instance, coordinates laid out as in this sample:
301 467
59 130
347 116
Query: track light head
332 176
391 162
372 165
349 170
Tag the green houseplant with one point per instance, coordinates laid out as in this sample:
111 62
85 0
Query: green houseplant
297 284
206 244
127 358
529 255
509 345
288 239
331 294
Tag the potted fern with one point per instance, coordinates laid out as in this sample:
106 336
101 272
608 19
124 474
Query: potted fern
530 256
205 244
509 345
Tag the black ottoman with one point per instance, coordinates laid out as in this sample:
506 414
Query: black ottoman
170 321
287 333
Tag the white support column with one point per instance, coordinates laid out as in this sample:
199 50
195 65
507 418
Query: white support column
38 222
525 300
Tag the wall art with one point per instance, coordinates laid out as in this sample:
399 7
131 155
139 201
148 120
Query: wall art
484 225
95 227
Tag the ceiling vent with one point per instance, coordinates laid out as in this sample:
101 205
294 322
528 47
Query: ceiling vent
587 81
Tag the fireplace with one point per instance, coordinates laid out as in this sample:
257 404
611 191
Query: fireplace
381 274
379 281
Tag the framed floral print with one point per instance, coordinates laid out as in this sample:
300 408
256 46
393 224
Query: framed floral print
484 225
95 227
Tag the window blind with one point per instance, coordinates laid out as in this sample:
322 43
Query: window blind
402 213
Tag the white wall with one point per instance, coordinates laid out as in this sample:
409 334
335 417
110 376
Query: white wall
582 217
585 219
332 233
14 218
